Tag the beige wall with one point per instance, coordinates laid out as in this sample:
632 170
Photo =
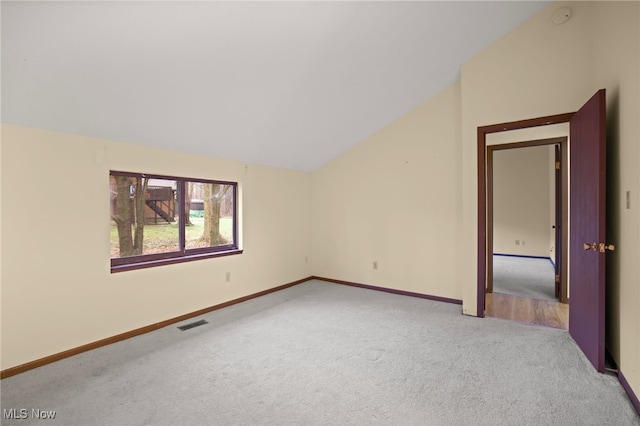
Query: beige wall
617 68
531 134
57 289
539 69
536 70
542 69
405 198
394 199
521 201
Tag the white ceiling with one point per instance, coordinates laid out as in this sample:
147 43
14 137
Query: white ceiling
288 84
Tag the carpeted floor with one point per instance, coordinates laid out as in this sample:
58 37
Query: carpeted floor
324 354
524 276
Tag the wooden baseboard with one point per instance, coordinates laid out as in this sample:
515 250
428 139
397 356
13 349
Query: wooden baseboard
390 290
627 388
123 336
138 331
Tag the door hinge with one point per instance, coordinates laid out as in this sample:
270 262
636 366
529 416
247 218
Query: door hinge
557 165
557 278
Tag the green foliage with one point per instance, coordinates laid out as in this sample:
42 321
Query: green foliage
164 237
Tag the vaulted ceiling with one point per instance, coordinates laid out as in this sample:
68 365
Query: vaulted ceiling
287 84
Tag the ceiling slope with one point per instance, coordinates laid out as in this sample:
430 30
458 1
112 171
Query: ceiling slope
286 84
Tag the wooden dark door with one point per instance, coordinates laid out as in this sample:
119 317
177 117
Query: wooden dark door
559 246
587 229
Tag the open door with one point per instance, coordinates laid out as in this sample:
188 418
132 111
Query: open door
559 246
587 244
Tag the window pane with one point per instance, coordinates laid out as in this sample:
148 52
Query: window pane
211 212
144 216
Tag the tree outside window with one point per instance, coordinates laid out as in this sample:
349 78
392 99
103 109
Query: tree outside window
159 219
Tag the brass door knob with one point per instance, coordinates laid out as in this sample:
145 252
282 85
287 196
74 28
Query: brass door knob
604 247
592 246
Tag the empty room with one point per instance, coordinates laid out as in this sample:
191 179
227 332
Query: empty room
290 212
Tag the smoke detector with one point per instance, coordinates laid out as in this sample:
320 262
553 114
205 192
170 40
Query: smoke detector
561 15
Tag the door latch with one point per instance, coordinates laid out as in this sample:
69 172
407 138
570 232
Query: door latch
602 247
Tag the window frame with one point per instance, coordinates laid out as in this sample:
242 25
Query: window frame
120 264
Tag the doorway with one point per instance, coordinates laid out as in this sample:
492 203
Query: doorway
527 197
587 215
482 190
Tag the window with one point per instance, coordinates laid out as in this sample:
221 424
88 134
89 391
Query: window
157 220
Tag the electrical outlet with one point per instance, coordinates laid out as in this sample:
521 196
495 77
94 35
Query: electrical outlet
517 242
227 277
375 264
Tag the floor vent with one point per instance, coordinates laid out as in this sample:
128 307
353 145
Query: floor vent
193 324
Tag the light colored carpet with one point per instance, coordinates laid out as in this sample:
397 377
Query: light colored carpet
324 354
524 276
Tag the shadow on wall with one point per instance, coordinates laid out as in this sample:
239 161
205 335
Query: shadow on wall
613 226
